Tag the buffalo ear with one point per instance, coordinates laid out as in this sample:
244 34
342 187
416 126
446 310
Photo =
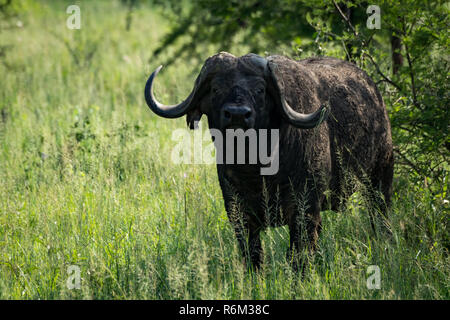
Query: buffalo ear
192 118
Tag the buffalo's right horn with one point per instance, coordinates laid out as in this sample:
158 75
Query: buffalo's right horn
167 111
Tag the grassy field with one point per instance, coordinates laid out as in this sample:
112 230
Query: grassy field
86 180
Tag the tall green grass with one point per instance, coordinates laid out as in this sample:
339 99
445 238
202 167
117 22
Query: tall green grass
86 179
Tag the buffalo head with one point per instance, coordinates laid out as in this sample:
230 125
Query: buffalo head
235 93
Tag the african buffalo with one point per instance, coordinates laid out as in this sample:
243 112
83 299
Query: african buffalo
331 121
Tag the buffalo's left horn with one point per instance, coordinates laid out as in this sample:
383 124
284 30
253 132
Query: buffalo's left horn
297 119
166 111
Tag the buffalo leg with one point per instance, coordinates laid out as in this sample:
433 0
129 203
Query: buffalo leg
304 233
249 245
380 186
378 207
255 249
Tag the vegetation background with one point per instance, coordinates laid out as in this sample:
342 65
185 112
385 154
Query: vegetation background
85 171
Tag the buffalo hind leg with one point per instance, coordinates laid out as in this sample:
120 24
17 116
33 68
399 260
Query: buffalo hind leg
379 201
255 249
304 233
250 246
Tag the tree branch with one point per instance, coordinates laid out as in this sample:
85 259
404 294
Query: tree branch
345 18
409 162
381 73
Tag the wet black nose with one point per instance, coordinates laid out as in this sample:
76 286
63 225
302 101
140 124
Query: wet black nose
239 115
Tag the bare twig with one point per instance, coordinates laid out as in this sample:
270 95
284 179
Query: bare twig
345 18
410 65
409 162
381 73
411 74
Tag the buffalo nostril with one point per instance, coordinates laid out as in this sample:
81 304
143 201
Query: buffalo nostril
227 114
248 115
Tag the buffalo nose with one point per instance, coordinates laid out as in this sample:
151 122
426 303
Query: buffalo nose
237 113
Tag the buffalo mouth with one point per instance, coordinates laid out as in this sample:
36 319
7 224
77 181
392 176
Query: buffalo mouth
236 127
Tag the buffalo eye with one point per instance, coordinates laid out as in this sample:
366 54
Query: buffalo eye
259 90
215 91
